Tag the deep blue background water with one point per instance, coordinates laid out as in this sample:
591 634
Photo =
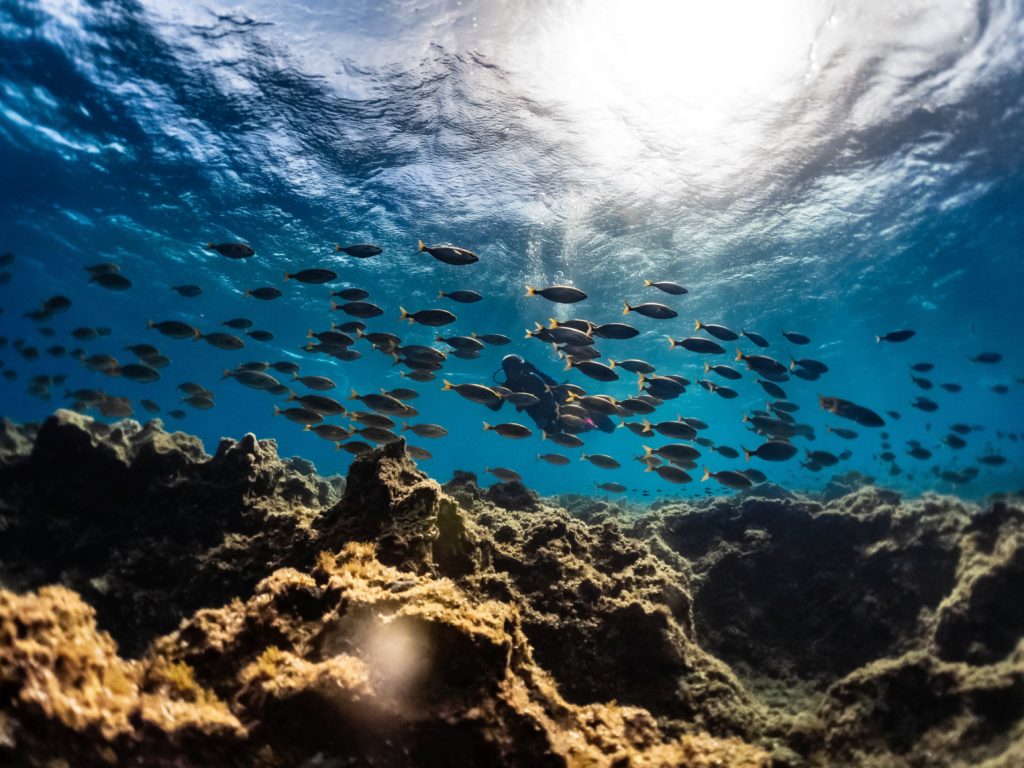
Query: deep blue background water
814 166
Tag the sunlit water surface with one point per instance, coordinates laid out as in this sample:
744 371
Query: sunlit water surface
839 168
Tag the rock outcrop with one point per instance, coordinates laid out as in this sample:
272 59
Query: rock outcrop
238 609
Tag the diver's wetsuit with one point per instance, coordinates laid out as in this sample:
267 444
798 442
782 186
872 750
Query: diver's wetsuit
522 376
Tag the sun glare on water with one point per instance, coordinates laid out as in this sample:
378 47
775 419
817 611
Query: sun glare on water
671 81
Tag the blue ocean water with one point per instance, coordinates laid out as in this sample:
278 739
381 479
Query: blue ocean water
839 169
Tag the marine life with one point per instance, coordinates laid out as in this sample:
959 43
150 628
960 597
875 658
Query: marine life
299 415
989 358
895 336
359 250
849 410
431 317
265 293
651 309
174 329
718 331
796 338
363 309
426 430
504 474
697 344
601 460
463 297
667 287
232 250
510 430
554 458
757 338
729 478
315 276
772 450
449 254
188 291
562 294
494 339
351 294
222 340
593 369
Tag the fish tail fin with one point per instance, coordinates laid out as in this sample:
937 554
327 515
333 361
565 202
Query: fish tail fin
287 275
706 475
649 468
227 373
821 402
739 354
746 454
277 410
353 395
672 343
487 426
335 305
307 427
405 315
530 291
441 294
746 418
828 428
647 426
697 325
707 366
583 457
640 382
568 363
337 445
420 246
447 385
552 322
295 376
611 363
878 339
405 427
310 334
247 293
648 282
792 363
543 436
337 247
149 324
627 309
528 334
648 452
621 424
209 246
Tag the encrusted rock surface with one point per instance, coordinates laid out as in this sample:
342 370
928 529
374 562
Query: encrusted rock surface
239 610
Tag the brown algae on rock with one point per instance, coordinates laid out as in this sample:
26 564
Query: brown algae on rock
266 616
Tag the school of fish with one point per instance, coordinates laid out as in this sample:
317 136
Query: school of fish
678 450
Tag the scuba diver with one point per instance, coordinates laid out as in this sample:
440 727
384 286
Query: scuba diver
523 376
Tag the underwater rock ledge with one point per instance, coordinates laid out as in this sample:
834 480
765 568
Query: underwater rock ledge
162 606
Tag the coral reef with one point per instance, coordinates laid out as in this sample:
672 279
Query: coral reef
237 609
